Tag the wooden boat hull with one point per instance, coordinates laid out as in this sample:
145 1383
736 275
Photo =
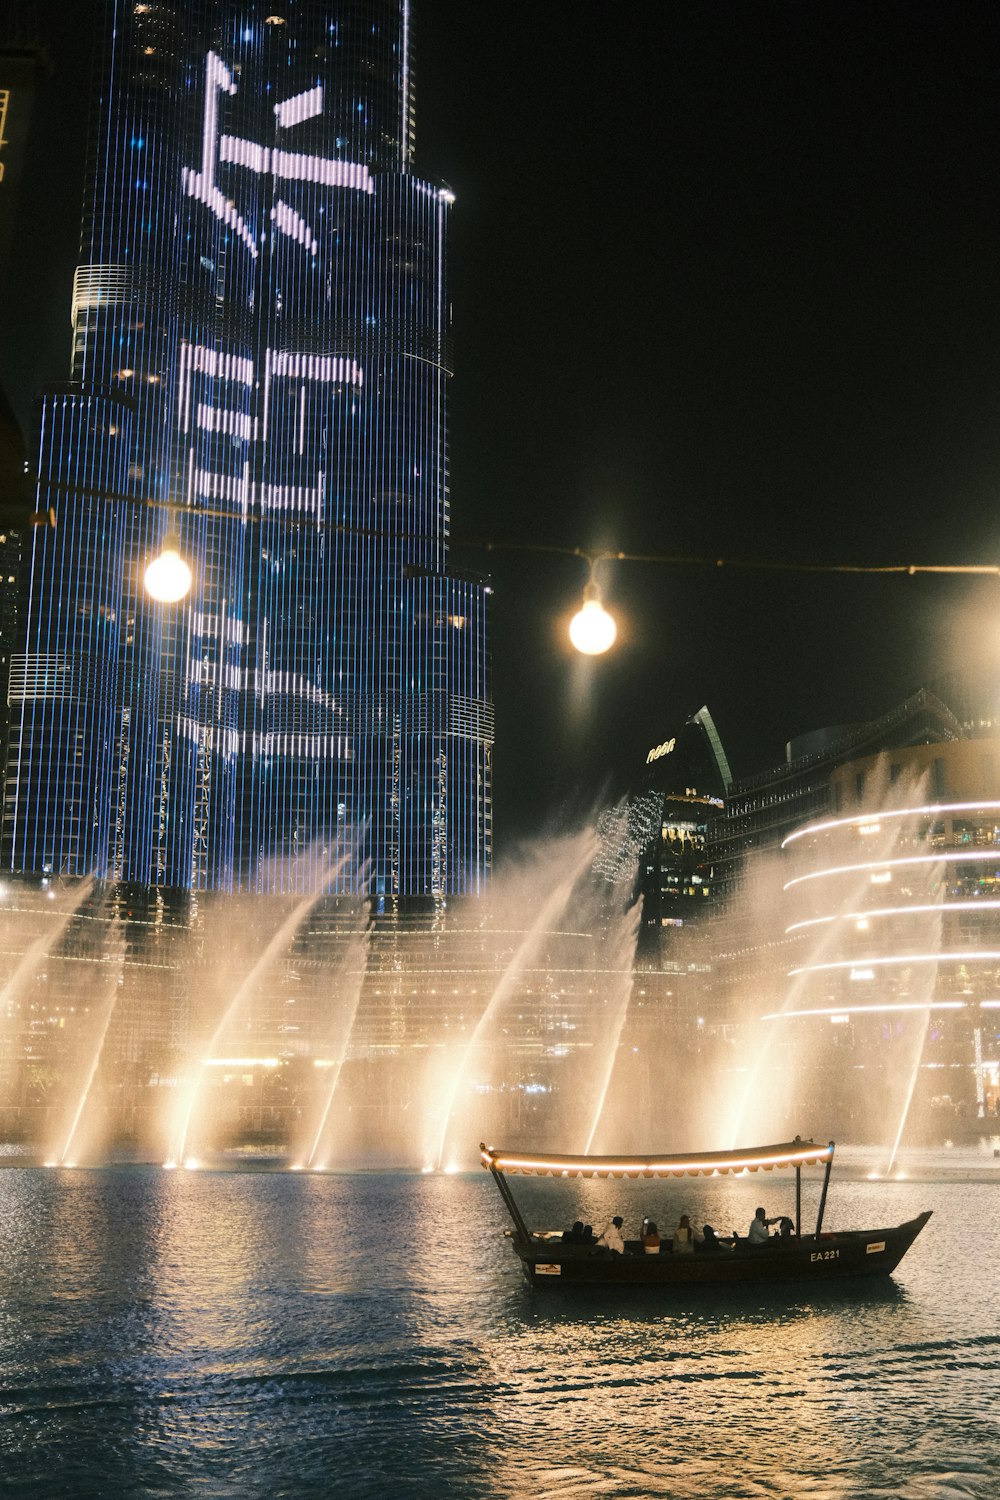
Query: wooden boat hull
816 1259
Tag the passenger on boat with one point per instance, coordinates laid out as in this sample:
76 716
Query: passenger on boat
683 1237
709 1243
650 1237
574 1236
611 1235
786 1228
758 1234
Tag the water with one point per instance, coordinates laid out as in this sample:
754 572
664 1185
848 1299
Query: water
261 1334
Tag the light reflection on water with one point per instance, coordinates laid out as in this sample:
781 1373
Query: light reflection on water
253 1334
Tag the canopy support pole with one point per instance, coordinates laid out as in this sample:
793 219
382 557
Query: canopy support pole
512 1208
798 1203
822 1196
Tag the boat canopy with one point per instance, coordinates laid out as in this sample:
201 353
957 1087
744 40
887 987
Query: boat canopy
797 1153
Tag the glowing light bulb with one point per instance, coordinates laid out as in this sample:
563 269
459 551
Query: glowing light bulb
592 630
168 578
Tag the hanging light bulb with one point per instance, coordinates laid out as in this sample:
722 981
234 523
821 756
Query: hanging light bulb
592 630
168 577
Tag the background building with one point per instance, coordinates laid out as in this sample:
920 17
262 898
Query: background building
854 950
260 362
687 778
892 909
762 809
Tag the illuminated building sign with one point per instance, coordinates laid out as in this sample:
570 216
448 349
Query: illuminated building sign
659 751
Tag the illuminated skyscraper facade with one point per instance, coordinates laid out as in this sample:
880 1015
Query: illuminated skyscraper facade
259 368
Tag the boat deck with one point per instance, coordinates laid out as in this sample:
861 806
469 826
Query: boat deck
871 1252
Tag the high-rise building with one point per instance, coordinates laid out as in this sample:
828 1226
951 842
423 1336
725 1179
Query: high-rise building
259 375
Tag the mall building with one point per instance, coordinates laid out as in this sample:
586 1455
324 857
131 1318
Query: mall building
857 919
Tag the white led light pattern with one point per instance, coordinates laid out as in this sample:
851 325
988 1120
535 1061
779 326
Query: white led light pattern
290 166
300 107
295 166
210 485
284 218
233 423
202 185
326 368
321 369
196 359
294 497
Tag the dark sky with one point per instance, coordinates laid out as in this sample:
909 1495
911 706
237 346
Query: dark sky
726 281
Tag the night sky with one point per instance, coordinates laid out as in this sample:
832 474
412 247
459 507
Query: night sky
726 281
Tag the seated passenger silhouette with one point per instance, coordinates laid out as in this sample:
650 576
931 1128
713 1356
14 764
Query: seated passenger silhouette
683 1237
709 1241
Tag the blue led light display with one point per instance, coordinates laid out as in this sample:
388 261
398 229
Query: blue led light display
266 357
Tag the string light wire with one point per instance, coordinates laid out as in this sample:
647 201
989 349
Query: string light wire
590 555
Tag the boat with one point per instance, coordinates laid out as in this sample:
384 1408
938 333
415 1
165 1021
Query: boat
549 1258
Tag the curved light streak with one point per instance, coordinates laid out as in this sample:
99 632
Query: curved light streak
963 856
864 1010
881 817
981 955
894 911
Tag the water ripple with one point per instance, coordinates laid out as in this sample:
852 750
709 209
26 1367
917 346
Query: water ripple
258 1335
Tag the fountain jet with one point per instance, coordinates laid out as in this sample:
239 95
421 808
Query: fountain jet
278 943
574 856
69 1153
352 976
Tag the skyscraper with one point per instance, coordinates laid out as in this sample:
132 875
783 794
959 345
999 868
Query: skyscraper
259 372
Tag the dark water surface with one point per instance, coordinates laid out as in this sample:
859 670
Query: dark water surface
261 1334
